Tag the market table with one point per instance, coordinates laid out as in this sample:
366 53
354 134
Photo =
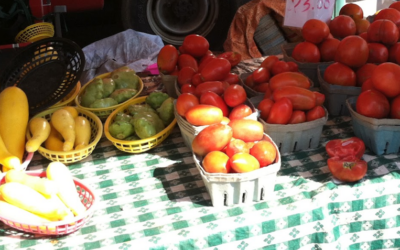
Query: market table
157 200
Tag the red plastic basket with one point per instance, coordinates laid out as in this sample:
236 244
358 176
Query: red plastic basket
88 199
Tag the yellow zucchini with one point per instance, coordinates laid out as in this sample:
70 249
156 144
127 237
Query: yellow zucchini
82 132
64 123
40 131
8 160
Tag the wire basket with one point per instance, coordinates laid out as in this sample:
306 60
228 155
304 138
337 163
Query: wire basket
35 32
137 146
73 155
88 199
69 99
103 113
46 71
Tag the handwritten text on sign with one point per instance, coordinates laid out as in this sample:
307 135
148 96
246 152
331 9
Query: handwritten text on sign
299 11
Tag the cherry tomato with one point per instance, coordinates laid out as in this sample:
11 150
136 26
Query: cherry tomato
167 59
184 102
372 103
212 138
340 74
216 162
236 146
185 75
244 162
234 95
240 111
261 75
289 79
269 61
352 146
216 69
315 31
352 51
353 10
315 113
306 52
383 31
298 116
211 98
385 78
203 114
264 152
395 108
265 107
378 53
188 88
328 49
233 57
364 73
186 60
300 98
281 111
195 45
342 26
349 169
280 67
247 130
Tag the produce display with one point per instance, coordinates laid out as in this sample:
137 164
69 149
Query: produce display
122 85
141 121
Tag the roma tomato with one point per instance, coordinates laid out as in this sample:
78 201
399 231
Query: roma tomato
352 10
364 73
184 102
395 108
195 45
212 138
315 31
186 60
328 49
216 162
298 116
244 162
269 61
340 74
203 114
378 53
263 87
300 98
264 152
319 98
216 69
342 26
349 169
372 103
188 88
236 146
233 57
232 78
217 87
261 75
280 67
240 111
205 59
315 113
352 51
385 78
167 59
280 112
234 95
249 81
289 79
247 130
383 31
352 146
196 79
265 107
306 52
211 98
185 75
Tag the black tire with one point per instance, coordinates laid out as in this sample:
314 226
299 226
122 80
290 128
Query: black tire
135 13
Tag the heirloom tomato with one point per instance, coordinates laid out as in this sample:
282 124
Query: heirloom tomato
261 75
395 108
348 169
280 67
269 62
385 78
378 53
185 75
212 138
167 59
372 103
247 130
184 102
280 112
383 31
315 113
352 51
216 69
340 74
364 73
240 111
203 114
216 162
234 95
352 146
352 10
265 107
315 31
243 162
186 60
264 152
328 49
236 146
298 116
211 98
233 57
342 26
300 98
306 52
195 45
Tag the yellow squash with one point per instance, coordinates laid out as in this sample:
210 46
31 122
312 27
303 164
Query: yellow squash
82 132
8 160
40 131
15 213
54 141
64 123
14 116
71 110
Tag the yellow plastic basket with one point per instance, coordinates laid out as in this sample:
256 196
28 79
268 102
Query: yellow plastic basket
35 32
69 99
74 155
103 113
138 146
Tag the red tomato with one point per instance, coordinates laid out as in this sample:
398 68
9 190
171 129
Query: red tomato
233 57
280 67
349 169
236 146
217 87
249 81
319 98
352 51
212 138
383 31
372 103
362 26
184 102
211 98
216 162
196 79
225 120
315 113
244 162
298 116
264 152
240 111
234 95
185 75
364 73
395 108
268 93
289 79
205 59
395 5
204 114
342 26
385 78
188 88
353 10
167 59
328 49
232 78
378 53
216 69
352 146
315 31
186 60
265 107
280 112
263 87
389 14
247 130
293 67
195 45
340 74
269 62
300 98
393 51
364 36
261 75
367 85
306 52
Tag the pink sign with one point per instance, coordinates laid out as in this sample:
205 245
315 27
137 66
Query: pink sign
299 11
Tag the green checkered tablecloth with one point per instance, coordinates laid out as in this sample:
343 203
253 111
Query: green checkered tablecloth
157 200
